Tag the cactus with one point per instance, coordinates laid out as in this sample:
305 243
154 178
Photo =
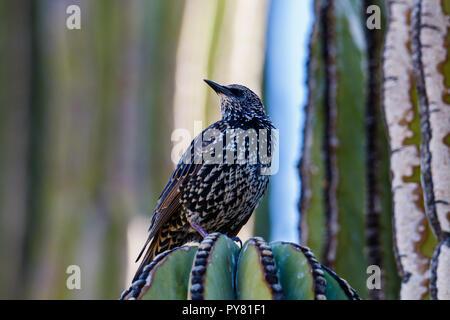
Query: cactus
212 275
417 113
218 269
345 205
431 60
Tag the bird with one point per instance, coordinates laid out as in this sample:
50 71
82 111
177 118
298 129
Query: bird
219 180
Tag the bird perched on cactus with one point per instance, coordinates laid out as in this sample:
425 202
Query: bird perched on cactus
219 180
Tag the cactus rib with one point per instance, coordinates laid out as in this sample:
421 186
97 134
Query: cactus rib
153 282
348 290
257 273
320 283
269 267
135 289
197 278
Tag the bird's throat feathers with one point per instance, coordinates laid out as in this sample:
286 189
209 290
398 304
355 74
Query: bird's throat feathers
234 112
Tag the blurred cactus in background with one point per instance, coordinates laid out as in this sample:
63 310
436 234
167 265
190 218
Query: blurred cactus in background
87 141
218 269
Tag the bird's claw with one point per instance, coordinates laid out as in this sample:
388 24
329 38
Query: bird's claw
199 229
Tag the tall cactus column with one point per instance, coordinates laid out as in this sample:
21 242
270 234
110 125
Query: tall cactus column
378 214
332 165
345 204
431 59
416 105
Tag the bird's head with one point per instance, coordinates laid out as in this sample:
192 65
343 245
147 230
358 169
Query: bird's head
237 101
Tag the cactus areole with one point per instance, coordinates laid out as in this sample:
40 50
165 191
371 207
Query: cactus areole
217 269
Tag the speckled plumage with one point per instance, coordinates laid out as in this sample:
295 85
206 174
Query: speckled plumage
218 196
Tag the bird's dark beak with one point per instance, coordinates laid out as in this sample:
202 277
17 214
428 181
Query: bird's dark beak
218 88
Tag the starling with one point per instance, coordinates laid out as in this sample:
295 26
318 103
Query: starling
219 180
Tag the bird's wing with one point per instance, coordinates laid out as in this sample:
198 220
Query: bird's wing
169 200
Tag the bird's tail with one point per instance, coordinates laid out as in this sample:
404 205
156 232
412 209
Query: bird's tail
148 257
161 242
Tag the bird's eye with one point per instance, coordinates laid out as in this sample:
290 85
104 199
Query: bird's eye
236 92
